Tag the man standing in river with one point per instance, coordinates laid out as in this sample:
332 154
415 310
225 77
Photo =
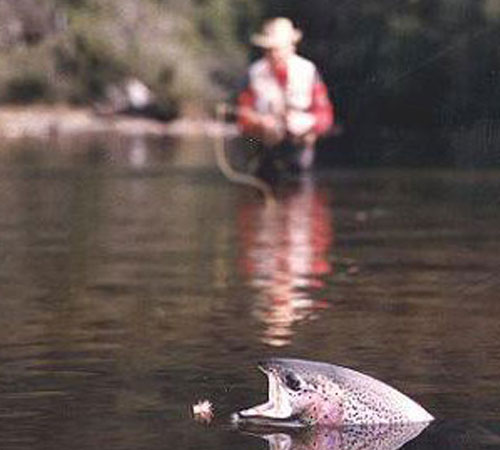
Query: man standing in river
284 103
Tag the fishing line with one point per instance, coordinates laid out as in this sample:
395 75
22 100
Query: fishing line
227 169
426 62
263 187
436 56
430 60
369 83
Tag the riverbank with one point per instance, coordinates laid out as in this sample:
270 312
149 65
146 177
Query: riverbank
45 122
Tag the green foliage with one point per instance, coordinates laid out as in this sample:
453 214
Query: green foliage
26 89
186 51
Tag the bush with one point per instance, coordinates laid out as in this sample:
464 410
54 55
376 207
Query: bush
185 51
26 90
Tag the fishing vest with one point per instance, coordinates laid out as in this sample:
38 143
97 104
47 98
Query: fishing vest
271 97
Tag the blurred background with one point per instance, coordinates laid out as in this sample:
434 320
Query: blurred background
419 72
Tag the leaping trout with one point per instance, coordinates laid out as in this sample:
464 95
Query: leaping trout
305 393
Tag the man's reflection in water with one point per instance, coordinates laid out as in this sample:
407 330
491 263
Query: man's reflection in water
369 437
284 255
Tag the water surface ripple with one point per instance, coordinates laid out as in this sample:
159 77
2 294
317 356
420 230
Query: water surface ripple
135 280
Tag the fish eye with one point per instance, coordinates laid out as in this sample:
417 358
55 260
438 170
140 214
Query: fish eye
292 381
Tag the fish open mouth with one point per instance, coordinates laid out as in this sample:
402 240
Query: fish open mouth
307 393
277 409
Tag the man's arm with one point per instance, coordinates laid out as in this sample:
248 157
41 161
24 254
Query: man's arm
321 107
247 118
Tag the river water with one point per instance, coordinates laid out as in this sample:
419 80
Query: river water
136 280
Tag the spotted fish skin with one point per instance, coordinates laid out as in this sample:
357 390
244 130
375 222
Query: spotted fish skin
317 393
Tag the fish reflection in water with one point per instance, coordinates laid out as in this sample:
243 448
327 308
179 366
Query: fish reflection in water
284 255
366 437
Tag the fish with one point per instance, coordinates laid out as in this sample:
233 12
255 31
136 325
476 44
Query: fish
309 393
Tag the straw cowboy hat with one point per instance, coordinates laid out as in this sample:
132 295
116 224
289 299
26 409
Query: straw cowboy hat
278 32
